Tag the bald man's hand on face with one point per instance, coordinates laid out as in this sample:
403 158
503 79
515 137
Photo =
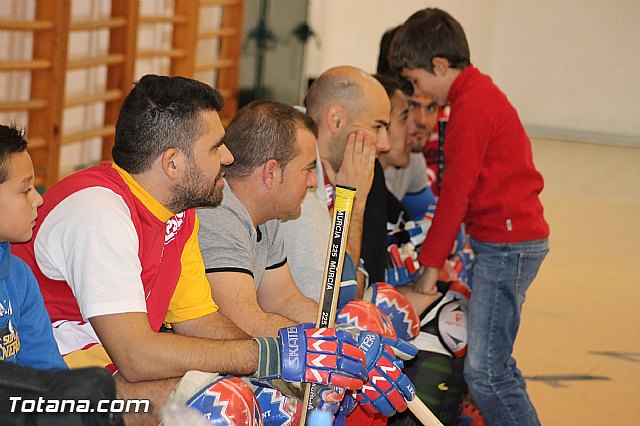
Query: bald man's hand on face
356 170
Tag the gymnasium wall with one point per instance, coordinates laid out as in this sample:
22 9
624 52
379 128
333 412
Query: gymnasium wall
570 67
15 86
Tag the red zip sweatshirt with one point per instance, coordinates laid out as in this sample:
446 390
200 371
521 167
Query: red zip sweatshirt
489 182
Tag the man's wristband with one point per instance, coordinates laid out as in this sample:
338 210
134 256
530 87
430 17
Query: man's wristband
269 356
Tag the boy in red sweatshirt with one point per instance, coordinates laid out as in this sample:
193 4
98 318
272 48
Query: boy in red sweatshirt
489 183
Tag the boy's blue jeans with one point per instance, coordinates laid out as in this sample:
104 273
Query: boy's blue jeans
501 275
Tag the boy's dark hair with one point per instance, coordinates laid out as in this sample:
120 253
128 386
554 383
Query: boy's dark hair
159 113
263 131
427 34
11 141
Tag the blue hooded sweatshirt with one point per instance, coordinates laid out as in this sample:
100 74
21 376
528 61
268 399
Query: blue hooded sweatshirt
26 337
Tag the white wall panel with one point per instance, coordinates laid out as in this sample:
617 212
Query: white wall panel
569 66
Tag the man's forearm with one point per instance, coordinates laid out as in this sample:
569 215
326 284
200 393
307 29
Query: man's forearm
300 309
265 324
217 327
166 355
141 354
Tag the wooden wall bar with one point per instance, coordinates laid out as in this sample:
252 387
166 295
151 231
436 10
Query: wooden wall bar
49 65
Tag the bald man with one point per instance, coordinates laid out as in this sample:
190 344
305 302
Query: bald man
352 112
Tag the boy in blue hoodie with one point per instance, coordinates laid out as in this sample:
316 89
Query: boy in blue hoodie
26 337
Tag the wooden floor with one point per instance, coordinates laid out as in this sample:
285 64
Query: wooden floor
579 343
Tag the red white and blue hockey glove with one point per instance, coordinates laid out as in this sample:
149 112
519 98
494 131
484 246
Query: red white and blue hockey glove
303 353
388 388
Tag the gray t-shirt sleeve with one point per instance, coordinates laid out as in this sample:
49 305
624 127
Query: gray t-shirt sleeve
274 237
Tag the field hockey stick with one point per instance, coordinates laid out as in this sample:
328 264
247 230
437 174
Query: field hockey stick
422 412
331 280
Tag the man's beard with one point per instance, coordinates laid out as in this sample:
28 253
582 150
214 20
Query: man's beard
192 192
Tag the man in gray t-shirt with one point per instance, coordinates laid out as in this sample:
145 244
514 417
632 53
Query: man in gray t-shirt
274 147
239 246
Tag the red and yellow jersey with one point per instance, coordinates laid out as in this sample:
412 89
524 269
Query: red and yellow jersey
166 278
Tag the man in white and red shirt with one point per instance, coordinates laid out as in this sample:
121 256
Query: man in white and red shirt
116 254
